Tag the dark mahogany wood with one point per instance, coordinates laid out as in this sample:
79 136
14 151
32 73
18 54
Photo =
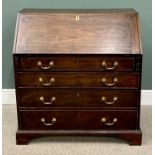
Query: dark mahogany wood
78 119
31 120
89 63
71 79
77 63
93 32
78 98
134 137
93 119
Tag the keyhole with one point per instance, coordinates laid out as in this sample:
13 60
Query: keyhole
78 94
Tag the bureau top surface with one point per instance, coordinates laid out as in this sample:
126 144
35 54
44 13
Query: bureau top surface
44 31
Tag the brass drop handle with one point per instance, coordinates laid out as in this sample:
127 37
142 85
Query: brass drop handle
47 103
104 64
104 120
77 17
104 80
52 80
51 63
103 98
48 124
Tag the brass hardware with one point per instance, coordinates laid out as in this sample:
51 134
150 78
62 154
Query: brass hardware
52 80
51 63
109 102
109 84
77 17
48 124
104 64
53 98
47 103
104 120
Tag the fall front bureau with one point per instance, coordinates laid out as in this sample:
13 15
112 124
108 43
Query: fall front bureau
78 72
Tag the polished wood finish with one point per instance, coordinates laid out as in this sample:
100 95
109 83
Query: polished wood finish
78 120
77 63
132 136
78 72
71 79
72 98
64 120
93 120
53 32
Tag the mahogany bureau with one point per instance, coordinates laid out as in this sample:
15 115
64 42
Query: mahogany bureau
78 72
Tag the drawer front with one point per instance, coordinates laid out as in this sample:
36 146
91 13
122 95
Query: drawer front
70 79
48 120
77 98
108 120
77 63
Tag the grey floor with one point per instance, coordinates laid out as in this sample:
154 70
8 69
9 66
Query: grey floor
74 145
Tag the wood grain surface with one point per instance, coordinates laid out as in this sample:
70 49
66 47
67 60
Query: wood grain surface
72 98
94 32
78 72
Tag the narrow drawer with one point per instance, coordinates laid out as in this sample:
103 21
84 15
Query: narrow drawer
48 120
70 79
78 98
77 63
121 120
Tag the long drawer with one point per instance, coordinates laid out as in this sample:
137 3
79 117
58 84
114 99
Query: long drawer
77 98
76 79
49 120
77 63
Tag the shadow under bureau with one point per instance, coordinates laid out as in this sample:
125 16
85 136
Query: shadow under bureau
78 72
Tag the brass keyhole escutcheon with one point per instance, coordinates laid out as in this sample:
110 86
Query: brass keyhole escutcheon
77 17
